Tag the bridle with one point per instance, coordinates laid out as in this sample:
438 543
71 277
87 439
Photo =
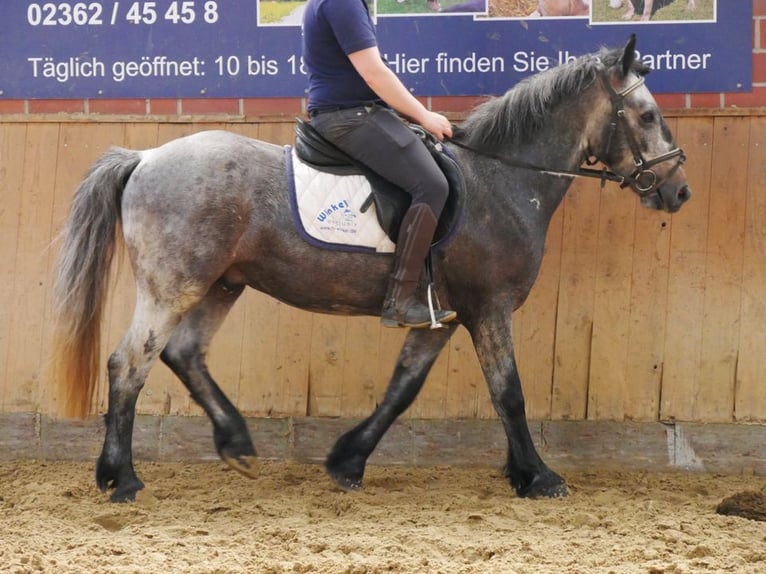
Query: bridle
643 180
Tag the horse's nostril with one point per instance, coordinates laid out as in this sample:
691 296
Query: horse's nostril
684 193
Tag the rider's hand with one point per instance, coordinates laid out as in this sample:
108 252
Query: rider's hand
437 124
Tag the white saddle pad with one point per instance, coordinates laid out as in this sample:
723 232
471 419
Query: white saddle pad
328 209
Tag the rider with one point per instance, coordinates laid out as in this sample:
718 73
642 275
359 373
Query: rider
353 98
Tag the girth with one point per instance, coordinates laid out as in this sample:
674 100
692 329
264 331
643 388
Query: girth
391 202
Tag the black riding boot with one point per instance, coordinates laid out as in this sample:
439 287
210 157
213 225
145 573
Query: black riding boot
401 308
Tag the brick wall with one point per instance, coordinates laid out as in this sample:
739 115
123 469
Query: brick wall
252 108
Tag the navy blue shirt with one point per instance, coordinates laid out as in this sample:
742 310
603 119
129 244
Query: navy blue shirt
332 29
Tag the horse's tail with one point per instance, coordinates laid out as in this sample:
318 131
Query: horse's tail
88 242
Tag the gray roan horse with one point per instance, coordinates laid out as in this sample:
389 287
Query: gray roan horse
206 215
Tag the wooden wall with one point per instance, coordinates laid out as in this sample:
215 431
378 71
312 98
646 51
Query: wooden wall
636 315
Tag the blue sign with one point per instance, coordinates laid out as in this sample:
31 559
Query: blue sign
208 48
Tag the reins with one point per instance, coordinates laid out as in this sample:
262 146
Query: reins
604 175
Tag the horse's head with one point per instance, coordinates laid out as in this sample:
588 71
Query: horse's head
635 142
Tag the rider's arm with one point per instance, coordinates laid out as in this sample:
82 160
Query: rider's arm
369 64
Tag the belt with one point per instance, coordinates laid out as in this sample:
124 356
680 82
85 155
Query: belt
318 111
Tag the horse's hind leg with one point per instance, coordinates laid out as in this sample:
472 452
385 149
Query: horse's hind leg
347 459
526 471
128 366
185 354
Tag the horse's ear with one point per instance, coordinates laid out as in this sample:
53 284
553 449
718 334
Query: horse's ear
629 55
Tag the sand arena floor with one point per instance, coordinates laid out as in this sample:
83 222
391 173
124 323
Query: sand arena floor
205 518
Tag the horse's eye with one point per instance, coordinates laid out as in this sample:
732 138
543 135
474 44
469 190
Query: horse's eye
648 117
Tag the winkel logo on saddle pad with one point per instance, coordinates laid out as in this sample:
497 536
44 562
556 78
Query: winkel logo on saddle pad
331 210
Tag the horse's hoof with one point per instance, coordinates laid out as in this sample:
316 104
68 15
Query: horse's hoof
345 483
125 489
544 486
243 464
346 471
123 480
552 491
127 492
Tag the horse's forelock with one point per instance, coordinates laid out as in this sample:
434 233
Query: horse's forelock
517 115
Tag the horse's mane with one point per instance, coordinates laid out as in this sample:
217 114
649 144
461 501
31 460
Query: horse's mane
518 114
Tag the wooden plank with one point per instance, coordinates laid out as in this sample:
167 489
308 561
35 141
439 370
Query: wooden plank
466 386
19 438
686 272
574 321
629 314
279 134
535 341
698 321
473 443
328 349
360 372
608 445
293 351
565 445
168 132
714 396
750 399
720 448
611 305
27 300
11 182
646 322
259 391
648 303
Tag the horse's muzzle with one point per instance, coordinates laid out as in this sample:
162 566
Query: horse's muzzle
667 198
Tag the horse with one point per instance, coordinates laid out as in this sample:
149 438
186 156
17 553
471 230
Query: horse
206 215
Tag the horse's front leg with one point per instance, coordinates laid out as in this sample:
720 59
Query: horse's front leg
526 471
347 459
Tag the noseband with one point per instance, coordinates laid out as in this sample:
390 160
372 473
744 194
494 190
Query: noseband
643 179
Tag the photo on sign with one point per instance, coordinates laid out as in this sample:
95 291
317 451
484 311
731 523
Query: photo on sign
649 11
290 12
281 12
522 9
432 7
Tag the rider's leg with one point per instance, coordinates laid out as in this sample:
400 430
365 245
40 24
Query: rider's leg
378 138
401 307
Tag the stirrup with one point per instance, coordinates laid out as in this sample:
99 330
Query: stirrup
421 315
430 293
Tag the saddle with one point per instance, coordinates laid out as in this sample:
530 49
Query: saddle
390 201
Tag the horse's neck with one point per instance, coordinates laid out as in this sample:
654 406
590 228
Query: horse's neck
552 151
